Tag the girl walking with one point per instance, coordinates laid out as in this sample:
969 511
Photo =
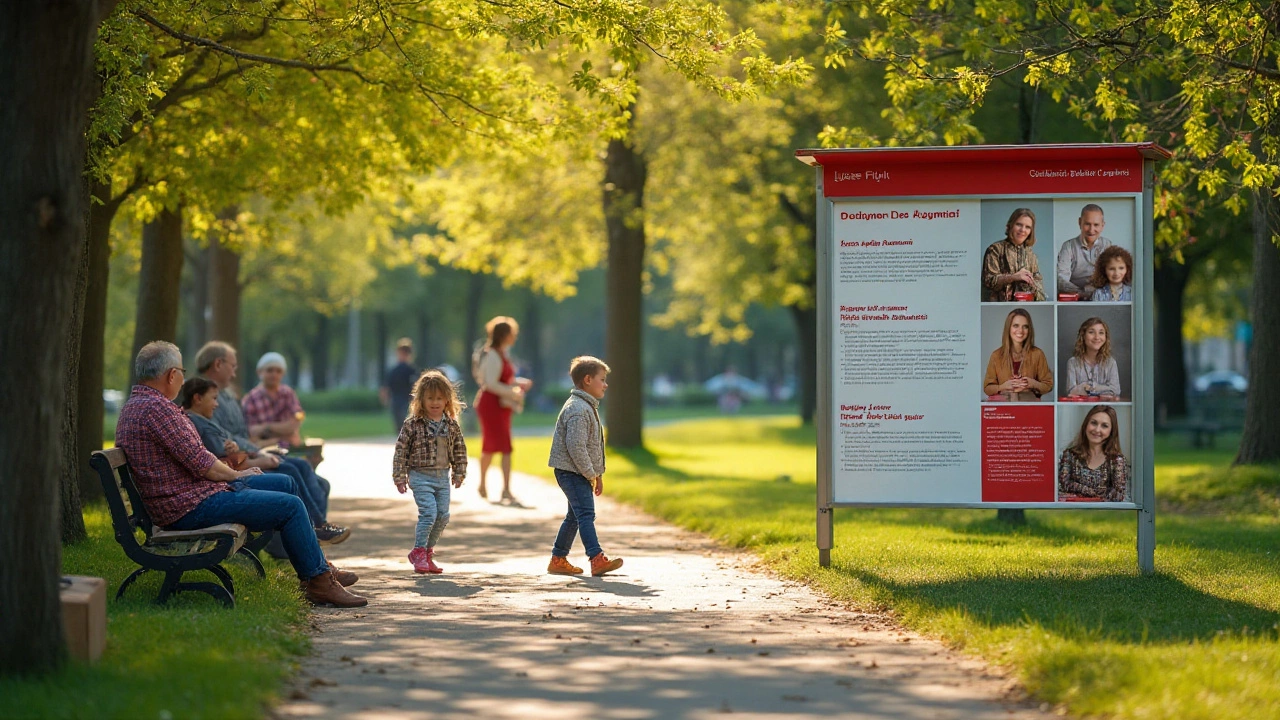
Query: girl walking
430 446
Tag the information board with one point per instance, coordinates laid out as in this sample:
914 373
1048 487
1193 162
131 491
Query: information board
984 316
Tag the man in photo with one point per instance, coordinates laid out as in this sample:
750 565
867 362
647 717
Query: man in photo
1079 255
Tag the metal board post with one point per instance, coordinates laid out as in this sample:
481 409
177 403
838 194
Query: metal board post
1147 476
823 422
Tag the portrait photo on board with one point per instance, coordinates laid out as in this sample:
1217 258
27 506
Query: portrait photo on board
1095 353
1018 368
1083 229
1017 251
1093 442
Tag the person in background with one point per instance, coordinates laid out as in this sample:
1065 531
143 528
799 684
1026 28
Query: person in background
184 487
217 361
1018 370
272 408
1093 466
1010 266
397 387
1113 276
1079 255
501 394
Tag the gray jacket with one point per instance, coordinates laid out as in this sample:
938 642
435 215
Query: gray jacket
578 442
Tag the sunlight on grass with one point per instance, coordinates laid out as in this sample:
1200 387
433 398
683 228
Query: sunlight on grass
1060 600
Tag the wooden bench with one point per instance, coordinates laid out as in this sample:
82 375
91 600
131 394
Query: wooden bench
173 552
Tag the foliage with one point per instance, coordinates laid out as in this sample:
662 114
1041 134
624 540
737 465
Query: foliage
174 661
1059 600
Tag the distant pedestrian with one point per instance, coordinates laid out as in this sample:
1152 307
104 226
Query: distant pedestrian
577 455
398 385
501 394
429 447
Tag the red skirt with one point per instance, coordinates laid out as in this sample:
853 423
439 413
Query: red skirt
495 424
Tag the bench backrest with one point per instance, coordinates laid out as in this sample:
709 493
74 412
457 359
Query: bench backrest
127 511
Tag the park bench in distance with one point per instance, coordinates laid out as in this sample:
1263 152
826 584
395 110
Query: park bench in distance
173 552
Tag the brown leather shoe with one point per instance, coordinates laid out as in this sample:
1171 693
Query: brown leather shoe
323 589
601 564
345 578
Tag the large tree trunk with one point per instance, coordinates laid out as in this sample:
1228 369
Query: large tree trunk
46 80
92 351
158 282
1171 367
624 180
806 320
224 291
196 297
320 354
1261 440
351 374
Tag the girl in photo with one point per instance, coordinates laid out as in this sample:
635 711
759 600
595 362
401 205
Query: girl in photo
1091 371
1010 270
1113 276
1093 467
1018 370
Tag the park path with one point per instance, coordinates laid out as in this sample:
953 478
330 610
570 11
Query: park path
685 629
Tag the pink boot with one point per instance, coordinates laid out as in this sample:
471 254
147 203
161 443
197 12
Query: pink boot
421 559
431 565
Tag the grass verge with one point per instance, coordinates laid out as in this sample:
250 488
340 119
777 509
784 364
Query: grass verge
191 659
1058 600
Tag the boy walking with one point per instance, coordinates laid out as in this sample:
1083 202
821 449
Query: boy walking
577 456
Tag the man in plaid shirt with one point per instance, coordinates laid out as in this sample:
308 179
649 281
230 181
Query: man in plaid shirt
184 487
272 408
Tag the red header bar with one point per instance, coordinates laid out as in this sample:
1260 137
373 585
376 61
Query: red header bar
982 170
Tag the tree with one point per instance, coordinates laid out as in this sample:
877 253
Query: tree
1198 75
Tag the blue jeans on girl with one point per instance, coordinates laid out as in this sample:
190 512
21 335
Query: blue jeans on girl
431 492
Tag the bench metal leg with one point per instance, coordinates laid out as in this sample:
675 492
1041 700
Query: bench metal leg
173 584
224 577
129 581
253 560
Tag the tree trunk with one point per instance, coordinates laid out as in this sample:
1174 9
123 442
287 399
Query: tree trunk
351 368
473 332
806 320
158 282
424 341
46 70
380 331
320 354
533 339
224 290
1171 367
92 351
624 180
1261 440
197 300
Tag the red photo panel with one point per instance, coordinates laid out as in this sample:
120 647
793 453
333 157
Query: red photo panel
1017 453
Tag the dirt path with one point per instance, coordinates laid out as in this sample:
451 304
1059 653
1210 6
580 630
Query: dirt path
684 630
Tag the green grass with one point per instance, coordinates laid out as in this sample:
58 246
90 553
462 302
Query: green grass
191 659
1059 600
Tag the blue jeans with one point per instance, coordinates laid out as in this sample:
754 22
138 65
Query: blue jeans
263 502
431 492
581 518
313 489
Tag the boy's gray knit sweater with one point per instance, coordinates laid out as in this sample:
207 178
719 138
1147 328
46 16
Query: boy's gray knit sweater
578 442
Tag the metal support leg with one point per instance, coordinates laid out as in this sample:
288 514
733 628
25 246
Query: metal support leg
253 560
1146 541
825 536
129 581
224 577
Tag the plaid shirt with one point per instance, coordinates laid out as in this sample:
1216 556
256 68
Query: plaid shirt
166 455
416 448
261 408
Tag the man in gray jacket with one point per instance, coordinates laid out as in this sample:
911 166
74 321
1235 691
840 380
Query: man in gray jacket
577 456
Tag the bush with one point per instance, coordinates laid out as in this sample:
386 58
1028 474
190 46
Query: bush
341 400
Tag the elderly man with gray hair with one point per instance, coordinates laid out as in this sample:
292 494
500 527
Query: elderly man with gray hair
217 361
184 487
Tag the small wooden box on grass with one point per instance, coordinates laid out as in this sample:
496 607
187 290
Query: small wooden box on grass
84 616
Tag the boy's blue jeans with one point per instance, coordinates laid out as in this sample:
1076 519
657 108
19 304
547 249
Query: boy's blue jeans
431 491
264 502
581 518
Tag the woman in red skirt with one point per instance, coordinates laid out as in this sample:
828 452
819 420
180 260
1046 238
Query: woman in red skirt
501 394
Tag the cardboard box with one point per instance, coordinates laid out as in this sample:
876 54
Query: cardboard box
84 616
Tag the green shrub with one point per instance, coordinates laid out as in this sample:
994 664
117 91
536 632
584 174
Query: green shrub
341 400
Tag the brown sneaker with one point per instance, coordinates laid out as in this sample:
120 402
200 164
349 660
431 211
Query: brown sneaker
601 564
323 589
562 566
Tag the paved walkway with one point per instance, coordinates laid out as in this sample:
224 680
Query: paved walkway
684 630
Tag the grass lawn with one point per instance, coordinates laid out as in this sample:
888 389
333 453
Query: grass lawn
1059 600
192 659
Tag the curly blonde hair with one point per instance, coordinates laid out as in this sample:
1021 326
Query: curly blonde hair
430 384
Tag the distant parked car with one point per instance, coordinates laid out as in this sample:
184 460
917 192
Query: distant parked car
732 382
112 400
1220 380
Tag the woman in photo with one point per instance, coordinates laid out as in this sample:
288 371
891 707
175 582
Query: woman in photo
1113 276
1093 467
1018 370
1091 371
1010 270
